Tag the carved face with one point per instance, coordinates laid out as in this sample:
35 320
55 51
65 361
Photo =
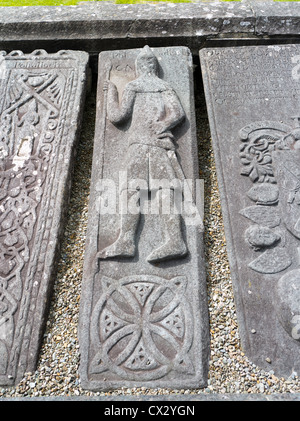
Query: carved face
146 63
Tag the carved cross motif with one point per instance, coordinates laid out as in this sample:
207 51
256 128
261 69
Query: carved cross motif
130 314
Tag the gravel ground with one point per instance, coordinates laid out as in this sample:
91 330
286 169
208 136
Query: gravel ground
230 370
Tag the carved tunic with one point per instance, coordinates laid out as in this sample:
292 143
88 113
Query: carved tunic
154 109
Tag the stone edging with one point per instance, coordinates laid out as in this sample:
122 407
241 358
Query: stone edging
95 26
167 398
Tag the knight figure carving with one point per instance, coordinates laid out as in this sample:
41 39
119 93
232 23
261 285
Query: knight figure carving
152 109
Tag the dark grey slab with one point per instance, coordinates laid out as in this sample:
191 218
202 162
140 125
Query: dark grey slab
253 102
143 313
41 101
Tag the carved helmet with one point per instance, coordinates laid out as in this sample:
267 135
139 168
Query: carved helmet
146 61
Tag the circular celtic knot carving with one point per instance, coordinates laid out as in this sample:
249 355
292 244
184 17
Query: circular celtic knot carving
142 328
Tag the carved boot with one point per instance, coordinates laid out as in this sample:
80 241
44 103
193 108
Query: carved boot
174 245
125 245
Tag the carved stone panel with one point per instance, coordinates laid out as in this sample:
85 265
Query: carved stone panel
143 314
41 99
253 99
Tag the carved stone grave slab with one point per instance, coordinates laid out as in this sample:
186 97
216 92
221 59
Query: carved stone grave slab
143 315
253 100
41 100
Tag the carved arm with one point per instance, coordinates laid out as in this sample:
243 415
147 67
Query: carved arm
174 111
119 113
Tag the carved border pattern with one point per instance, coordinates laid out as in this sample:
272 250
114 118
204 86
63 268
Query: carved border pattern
38 84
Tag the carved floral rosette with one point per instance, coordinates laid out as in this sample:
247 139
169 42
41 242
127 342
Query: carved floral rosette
38 93
270 156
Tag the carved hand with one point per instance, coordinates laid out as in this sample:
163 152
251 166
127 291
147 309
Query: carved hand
160 128
107 85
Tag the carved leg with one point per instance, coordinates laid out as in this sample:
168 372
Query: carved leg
174 245
125 245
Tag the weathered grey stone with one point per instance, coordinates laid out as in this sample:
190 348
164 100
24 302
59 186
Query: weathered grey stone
276 18
98 26
162 405
143 314
107 21
41 99
253 97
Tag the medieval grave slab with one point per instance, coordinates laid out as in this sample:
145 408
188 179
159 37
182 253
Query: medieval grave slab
41 102
143 310
253 104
